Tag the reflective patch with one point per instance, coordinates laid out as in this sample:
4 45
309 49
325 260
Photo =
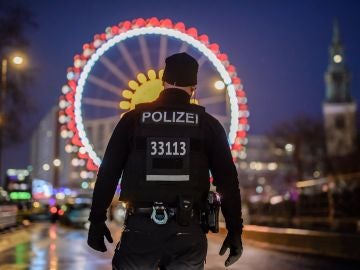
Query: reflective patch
154 177
168 159
170 117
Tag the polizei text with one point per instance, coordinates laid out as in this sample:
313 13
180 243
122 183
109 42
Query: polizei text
170 117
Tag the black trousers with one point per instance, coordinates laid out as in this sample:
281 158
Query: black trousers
145 245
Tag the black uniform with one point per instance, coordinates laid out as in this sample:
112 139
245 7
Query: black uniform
182 126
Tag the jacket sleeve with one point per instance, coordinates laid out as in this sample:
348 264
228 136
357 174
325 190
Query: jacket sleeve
224 175
111 168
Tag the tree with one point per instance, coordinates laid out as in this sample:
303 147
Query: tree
305 140
14 22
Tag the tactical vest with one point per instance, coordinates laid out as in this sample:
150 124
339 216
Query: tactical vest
167 158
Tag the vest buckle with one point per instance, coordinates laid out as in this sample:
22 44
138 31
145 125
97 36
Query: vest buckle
159 214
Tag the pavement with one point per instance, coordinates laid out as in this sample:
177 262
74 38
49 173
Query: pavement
13 237
329 244
53 247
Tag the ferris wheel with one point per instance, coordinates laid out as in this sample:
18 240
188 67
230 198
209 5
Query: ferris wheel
123 67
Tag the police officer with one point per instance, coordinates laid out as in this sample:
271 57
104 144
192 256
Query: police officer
163 152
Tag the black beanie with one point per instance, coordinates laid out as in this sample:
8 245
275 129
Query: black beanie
181 70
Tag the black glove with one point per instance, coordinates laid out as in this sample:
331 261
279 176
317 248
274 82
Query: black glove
97 231
232 241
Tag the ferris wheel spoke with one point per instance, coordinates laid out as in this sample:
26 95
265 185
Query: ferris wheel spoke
105 85
211 100
184 47
163 50
202 60
106 121
145 53
221 118
129 60
114 70
101 103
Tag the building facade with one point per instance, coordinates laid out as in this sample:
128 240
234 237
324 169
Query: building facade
54 161
267 167
47 156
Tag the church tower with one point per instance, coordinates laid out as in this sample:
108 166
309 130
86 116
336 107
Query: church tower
339 109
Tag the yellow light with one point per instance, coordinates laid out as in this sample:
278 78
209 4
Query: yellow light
36 204
146 88
26 222
258 166
219 85
46 167
125 105
337 58
60 196
252 165
194 101
141 78
272 166
18 60
127 94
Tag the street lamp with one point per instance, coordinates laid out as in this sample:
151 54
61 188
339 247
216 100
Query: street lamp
57 162
17 60
219 85
46 167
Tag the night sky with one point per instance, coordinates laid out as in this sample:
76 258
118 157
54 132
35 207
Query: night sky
280 49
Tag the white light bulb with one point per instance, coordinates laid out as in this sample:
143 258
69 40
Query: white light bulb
219 85
337 58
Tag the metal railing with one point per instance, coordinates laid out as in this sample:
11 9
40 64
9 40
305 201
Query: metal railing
329 203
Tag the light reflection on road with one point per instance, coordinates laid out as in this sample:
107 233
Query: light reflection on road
54 247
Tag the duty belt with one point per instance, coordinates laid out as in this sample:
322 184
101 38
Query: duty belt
148 210
159 213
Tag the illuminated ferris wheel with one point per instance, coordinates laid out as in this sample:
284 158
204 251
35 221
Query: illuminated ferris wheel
123 67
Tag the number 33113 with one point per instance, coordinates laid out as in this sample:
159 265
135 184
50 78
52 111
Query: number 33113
160 148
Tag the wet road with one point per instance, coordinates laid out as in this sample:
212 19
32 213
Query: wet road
56 247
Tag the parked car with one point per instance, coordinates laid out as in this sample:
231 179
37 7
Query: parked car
76 213
40 211
8 211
